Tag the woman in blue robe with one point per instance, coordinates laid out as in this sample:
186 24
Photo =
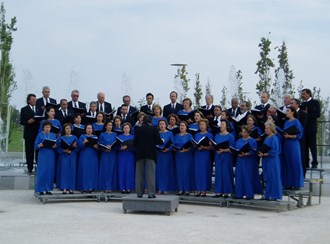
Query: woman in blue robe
165 176
55 123
77 127
157 111
271 165
293 177
184 161
224 174
67 160
126 161
108 160
98 126
202 160
247 174
46 160
256 132
88 165
186 111
225 115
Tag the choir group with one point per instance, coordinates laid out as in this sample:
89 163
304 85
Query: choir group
94 150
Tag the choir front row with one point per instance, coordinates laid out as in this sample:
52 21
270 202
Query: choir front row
184 162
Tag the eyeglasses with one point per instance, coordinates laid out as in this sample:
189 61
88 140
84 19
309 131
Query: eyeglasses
75 95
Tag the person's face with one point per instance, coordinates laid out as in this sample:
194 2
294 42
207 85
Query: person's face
67 130
141 119
126 129
202 126
267 130
186 104
244 134
243 107
117 122
108 127
289 113
197 117
286 100
124 110
270 118
208 100
157 111
162 125
47 128
183 128
75 96
99 117
172 121
271 111
294 104
89 129
217 112
223 126
173 97
46 93
234 104
223 115
127 101
32 101
64 105
101 97
304 95
250 121
264 98
93 107
51 113
77 120
149 99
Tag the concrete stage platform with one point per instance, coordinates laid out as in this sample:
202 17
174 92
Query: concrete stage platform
163 204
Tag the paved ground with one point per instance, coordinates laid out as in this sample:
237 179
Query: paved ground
24 219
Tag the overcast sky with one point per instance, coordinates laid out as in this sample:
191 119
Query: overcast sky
101 45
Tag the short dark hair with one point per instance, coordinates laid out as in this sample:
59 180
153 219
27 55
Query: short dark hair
296 100
29 96
149 94
308 91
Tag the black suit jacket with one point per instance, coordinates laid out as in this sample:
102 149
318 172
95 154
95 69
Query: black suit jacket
59 115
146 138
313 113
30 130
167 110
40 104
230 110
80 105
107 107
145 109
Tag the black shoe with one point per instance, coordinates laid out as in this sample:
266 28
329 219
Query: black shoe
64 192
226 196
128 192
139 196
217 196
41 193
29 171
71 192
314 166
152 196
187 193
49 193
123 192
180 193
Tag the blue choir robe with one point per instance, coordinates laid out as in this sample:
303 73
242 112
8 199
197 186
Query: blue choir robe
98 128
54 122
184 164
247 174
165 174
108 163
46 163
224 174
126 166
67 164
203 165
154 121
293 175
271 168
87 166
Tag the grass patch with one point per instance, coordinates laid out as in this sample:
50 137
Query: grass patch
16 139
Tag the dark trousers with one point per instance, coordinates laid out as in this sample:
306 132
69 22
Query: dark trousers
148 167
29 153
310 143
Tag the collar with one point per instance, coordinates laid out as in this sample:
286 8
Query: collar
309 99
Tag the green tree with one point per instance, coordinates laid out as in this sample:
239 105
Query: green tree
198 92
264 66
7 74
224 95
208 87
287 86
184 82
240 94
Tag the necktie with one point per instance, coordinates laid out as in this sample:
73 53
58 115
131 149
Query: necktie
173 107
75 105
207 107
34 109
149 107
64 114
101 107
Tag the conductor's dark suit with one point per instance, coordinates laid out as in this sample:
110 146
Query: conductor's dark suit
146 138
167 110
30 134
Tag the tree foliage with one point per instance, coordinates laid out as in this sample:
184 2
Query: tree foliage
240 94
208 87
184 82
224 95
264 66
198 92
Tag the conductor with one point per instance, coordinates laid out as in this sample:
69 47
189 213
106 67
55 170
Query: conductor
145 140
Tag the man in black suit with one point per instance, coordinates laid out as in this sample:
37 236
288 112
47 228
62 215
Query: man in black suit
242 117
31 127
63 114
234 110
146 138
102 105
74 103
312 108
127 102
42 101
209 106
147 109
173 107
125 117
263 107
302 117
